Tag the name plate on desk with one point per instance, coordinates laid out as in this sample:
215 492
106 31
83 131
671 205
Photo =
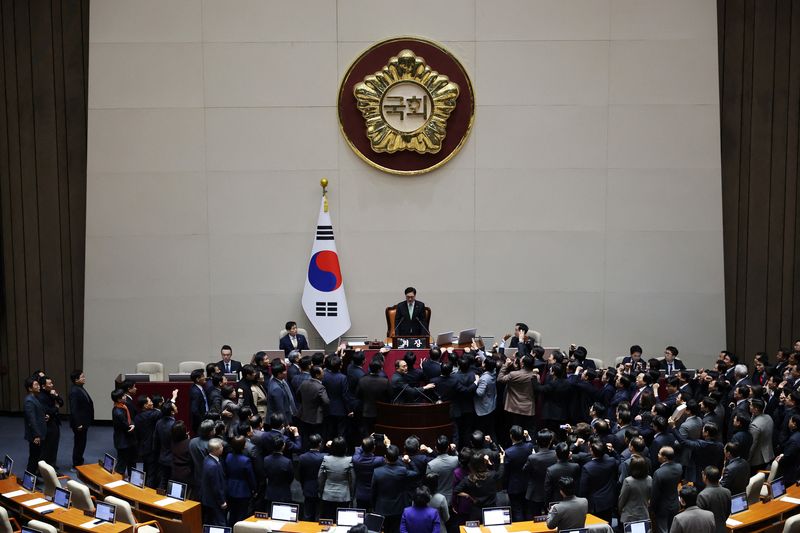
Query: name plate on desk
411 342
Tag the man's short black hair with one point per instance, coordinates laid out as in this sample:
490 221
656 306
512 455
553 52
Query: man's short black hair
410 290
75 375
196 375
523 327
226 347
636 349
688 494
290 325
566 485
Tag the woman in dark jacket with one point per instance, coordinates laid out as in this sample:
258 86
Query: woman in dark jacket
241 481
481 485
181 460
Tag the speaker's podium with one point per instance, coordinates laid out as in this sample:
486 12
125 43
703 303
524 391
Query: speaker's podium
425 420
411 342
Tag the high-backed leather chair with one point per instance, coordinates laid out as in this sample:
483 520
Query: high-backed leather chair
391 312
80 496
153 369
187 367
7 524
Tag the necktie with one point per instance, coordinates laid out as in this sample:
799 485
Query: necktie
410 310
292 406
227 368
669 367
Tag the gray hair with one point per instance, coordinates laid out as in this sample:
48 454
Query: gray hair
206 429
740 371
215 445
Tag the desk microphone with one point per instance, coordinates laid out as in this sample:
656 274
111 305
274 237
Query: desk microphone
421 323
398 325
400 393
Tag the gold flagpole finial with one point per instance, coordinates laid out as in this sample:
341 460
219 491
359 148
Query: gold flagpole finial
324 183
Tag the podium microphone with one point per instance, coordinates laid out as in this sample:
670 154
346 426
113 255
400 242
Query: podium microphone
400 393
421 323
398 325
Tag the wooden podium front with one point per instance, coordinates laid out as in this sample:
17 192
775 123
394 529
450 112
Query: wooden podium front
426 421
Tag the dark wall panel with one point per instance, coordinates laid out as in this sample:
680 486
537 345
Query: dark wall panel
43 102
759 58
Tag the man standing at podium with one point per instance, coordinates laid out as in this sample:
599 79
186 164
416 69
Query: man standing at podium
410 316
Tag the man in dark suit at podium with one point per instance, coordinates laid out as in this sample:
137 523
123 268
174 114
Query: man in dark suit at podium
410 316
228 365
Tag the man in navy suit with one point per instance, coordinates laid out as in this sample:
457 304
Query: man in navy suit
307 475
670 364
341 402
635 359
35 424
81 415
292 340
227 365
279 395
599 481
213 499
515 481
391 486
409 318
198 402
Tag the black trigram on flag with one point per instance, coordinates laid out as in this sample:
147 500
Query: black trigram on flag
327 308
324 233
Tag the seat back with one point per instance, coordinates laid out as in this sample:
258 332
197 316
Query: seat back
186 367
618 361
248 527
535 336
153 369
773 471
792 525
754 488
81 498
49 477
598 363
301 331
5 522
124 512
42 526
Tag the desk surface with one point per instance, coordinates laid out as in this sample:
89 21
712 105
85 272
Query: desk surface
291 527
71 517
764 511
185 514
535 527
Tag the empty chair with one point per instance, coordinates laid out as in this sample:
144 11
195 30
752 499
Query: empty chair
81 497
248 527
125 514
535 337
152 369
42 526
792 525
50 478
7 525
186 367
754 487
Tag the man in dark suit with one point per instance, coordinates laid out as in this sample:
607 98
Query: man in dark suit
228 365
279 395
692 519
81 415
292 340
213 480
599 481
313 399
736 474
245 391
670 364
704 452
391 486
35 424
664 500
409 318
198 402
563 467
635 360
556 397
515 481
307 474
432 366
536 467
372 388
663 437
341 402
570 511
715 498
52 402
124 436
163 442
789 460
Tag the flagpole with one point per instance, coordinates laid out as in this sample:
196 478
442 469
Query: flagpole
324 183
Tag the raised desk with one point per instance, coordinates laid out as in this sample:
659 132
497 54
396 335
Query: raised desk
763 514
534 527
68 520
177 517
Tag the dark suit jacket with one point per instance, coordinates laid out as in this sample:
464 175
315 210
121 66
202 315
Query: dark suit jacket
241 482
717 500
213 482
536 467
372 389
364 466
391 486
286 343
313 399
736 475
236 366
197 406
557 396
145 423
665 488
515 481
790 464
280 400
123 439
677 365
431 369
555 472
464 396
307 470
599 483
278 469
35 424
338 393
163 440
81 407
659 441
405 325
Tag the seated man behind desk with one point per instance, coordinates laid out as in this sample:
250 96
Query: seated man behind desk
402 390
228 365
292 340
409 318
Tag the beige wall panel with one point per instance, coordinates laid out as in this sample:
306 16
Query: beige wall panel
257 21
556 20
445 20
145 21
173 203
657 20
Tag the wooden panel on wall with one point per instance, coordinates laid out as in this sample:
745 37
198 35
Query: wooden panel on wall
759 59
43 99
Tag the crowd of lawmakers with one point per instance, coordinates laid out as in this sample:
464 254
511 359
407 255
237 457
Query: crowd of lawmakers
547 435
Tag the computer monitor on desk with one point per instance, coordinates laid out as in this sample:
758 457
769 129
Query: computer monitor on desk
286 512
496 516
28 481
739 503
179 376
8 465
350 517
105 512
137 478
61 497
109 462
777 488
640 526
177 490
137 378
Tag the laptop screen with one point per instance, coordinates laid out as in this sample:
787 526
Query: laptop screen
374 522
350 517
496 516
8 464
28 529
642 526
284 511
177 490
105 511
777 487
61 498
28 481
137 478
216 529
739 503
108 463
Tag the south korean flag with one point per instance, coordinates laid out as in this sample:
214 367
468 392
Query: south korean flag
324 301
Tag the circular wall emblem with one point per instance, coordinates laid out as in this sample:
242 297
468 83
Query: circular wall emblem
406 106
